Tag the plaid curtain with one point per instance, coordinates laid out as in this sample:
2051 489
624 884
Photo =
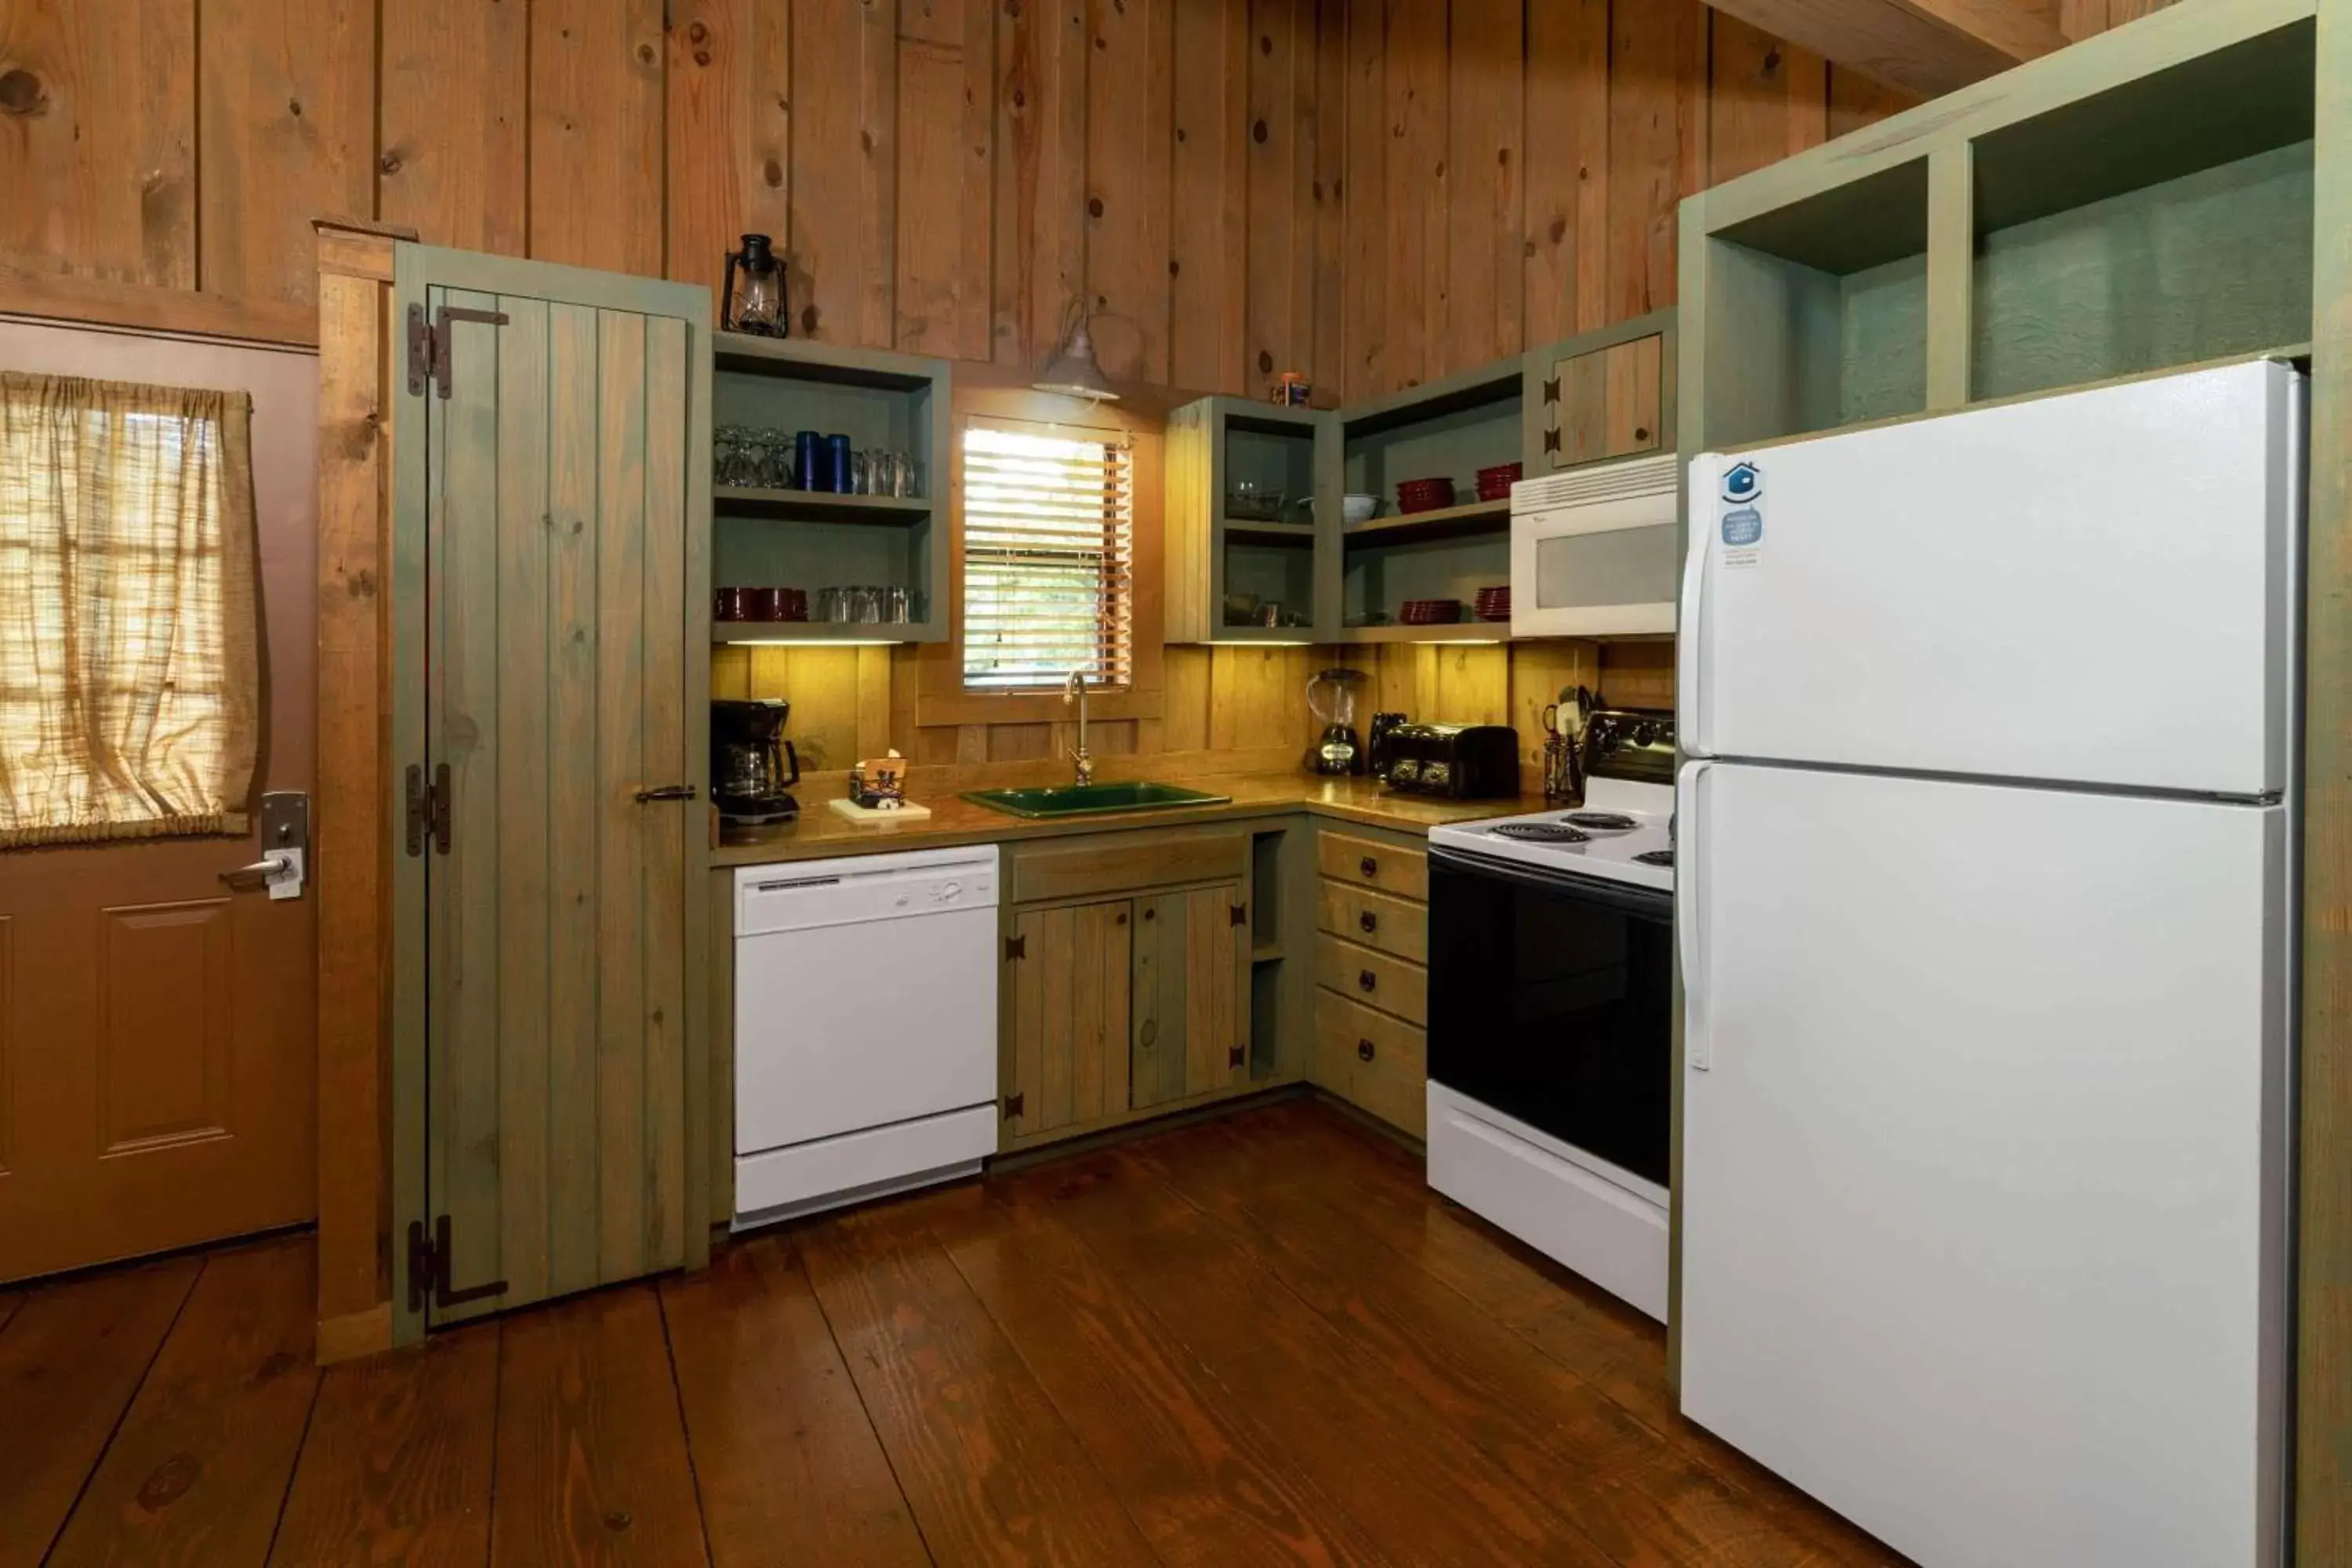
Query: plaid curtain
130 660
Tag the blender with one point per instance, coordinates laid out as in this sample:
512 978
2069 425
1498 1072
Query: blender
1331 696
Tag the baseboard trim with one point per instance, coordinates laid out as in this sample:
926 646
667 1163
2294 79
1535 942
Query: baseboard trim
355 1335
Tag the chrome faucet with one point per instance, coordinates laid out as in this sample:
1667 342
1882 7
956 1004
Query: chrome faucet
1075 691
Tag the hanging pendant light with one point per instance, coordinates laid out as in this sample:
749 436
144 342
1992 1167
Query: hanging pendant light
1074 371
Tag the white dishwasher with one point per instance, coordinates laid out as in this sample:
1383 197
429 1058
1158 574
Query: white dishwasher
865 1027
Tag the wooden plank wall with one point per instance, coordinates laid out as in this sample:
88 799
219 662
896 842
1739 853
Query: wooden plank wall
1375 191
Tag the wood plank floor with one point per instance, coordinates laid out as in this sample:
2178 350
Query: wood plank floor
1258 1340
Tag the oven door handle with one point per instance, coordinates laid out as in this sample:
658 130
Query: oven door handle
1623 897
1690 935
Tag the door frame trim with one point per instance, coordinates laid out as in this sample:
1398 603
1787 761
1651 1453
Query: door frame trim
417 269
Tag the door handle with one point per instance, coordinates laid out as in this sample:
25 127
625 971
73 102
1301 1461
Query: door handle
1690 946
665 791
285 846
277 863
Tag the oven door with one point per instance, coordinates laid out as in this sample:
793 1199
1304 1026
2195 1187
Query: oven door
1550 1001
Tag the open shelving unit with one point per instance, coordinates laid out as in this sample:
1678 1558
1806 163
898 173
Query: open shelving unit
1227 574
2140 201
1450 428
818 539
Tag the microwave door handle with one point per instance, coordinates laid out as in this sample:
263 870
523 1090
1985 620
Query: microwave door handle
1690 619
1690 935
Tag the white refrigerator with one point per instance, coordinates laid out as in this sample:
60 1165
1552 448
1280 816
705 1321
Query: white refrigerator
1986 903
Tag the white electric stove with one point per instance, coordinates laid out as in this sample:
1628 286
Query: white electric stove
1550 1014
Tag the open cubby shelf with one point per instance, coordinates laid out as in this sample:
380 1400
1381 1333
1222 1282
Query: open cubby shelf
818 539
2138 203
1457 631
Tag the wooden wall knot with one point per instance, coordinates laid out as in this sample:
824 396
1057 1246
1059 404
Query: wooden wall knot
21 93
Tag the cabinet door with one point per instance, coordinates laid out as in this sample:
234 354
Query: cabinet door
1605 404
1191 974
1069 976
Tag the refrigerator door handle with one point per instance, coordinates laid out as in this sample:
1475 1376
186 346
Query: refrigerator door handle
1690 945
1689 622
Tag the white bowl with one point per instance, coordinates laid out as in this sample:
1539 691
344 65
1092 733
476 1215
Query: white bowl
1355 508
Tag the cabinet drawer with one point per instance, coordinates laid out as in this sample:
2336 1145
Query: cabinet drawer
1371 976
1368 863
1386 1061
1125 862
1376 920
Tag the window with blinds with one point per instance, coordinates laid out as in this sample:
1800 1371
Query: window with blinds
1048 560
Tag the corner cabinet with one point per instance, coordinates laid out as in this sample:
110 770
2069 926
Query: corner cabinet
767 533
1127 984
1249 526
1259 549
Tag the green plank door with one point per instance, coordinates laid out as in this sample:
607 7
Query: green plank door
1191 962
556 535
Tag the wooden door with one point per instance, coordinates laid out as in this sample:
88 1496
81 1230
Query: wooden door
158 1041
1069 978
1192 989
556 691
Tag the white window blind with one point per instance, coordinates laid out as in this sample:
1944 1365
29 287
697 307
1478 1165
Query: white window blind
1048 560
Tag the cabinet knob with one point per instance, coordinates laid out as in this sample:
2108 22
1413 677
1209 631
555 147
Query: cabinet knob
1366 980
1370 867
1363 1050
1369 921
1152 914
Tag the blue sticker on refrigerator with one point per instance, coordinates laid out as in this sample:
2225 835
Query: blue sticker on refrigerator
1740 523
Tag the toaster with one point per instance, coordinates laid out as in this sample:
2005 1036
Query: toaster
1455 762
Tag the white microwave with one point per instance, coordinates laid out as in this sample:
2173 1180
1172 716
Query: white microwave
1593 551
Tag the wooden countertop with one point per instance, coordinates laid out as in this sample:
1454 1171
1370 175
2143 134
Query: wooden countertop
822 832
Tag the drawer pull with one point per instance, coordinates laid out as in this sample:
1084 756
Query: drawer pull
1364 1050
1366 981
1369 921
1370 867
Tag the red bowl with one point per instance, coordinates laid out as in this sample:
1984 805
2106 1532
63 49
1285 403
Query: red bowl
1425 495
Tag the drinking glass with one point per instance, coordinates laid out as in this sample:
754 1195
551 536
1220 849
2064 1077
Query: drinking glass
775 460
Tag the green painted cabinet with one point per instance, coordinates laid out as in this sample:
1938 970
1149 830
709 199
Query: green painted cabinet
550 580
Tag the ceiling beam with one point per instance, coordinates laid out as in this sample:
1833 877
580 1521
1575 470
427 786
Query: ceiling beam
1925 46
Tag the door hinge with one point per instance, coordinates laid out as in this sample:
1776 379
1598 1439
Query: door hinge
428 343
428 809
1014 1104
1015 947
1237 1056
1240 913
1551 390
429 1270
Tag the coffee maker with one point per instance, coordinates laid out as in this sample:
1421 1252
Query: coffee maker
751 763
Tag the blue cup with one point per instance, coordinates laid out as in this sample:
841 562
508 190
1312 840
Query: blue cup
840 473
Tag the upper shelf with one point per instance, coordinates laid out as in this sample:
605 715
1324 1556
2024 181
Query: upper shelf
804 359
1444 523
819 506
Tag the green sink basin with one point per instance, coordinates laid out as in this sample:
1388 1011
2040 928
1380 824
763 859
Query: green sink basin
1092 800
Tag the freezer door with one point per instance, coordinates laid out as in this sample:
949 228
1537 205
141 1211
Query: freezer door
1983 1154
2096 587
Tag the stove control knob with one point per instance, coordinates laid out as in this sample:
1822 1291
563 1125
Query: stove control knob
1643 733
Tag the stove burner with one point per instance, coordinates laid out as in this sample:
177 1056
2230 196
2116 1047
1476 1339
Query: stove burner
1656 857
1542 833
1603 821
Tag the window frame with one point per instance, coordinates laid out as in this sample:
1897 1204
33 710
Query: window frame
942 698
1113 618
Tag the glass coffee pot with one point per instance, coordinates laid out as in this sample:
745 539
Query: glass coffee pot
1331 696
754 300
